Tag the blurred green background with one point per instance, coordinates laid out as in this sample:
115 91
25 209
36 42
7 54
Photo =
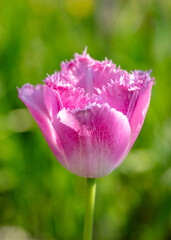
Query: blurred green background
39 199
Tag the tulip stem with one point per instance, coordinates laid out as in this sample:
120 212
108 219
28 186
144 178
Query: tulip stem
89 208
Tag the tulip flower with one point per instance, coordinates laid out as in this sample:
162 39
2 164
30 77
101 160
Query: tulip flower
90 113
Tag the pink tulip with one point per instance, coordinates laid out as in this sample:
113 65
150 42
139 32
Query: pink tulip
90 113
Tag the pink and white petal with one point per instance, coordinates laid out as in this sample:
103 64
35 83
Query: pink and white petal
40 98
139 112
123 96
70 97
138 116
43 105
118 97
85 72
93 139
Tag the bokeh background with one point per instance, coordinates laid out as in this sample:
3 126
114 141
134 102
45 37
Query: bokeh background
39 199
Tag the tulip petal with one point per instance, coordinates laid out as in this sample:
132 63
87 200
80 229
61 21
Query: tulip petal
85 72
90 113
118 97
43 105
72 97
123 96
94 139
139 112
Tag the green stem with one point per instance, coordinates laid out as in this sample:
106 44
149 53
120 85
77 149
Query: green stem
89 208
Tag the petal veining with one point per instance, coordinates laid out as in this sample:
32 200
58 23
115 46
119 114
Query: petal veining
94 139
124 97
85 72
43 105
90 113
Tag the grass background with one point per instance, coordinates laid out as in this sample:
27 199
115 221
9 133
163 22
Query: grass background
37 195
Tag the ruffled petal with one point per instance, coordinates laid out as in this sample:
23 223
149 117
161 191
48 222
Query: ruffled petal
123 96
90 113
93 139
85 72
117 97
43 104
70 97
